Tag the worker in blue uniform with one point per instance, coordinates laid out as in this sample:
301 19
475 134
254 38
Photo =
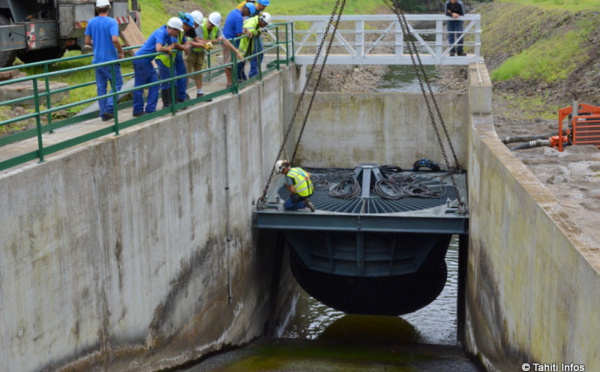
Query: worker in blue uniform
298 183
164 62
234 27
102 34
161 40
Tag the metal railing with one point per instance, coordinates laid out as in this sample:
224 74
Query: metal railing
278 49
379 40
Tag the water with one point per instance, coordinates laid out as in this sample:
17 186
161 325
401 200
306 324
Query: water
318 338
434 324
403 79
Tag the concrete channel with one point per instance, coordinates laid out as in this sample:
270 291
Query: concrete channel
137 253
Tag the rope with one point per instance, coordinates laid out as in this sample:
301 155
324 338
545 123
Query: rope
395 186
349 188
400 186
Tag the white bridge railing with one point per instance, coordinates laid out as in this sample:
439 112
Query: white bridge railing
379 40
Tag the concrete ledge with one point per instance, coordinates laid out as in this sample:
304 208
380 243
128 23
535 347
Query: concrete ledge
480 89
344 129
136 252
533 275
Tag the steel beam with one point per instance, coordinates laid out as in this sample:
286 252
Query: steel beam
307 59
453 224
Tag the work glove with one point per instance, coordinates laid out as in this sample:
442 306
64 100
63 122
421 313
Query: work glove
208 45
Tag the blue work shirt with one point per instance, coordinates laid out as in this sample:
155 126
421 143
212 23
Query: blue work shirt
160 36
234 24
101 30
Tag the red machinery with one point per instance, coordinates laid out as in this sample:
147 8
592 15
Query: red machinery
584 126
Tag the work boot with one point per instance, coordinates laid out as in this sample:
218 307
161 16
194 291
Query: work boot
198 95
310 205
166 97
461 53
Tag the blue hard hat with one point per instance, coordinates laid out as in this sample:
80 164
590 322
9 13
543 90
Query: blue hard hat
264 2
252 8
187 19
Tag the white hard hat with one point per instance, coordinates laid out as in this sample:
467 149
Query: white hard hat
198 17
215 18
102 3
281 165
266 17
175 23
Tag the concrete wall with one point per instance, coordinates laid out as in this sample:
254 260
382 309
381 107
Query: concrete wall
533 287
122 255
344 129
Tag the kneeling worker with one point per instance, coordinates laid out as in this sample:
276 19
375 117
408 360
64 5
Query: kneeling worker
299 185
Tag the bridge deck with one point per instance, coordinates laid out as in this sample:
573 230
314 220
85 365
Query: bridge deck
382 40
386 59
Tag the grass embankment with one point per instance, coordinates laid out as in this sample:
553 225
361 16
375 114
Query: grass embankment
568 5
541 50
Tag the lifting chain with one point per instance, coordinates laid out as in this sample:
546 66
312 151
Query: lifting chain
320 76
337 11
422 78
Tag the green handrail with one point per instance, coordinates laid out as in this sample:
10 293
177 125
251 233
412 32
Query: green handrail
53 61
39 113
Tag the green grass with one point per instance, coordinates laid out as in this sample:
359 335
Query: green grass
547 60
75 95
75 78
153 15
546 56
568 5
6 114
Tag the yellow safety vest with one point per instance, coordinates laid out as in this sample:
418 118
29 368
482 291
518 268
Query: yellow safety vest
251 24
165 59
304 186
213 35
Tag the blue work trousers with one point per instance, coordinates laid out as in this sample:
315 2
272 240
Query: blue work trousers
165 73
294 203
258 47
241 73
103 77
145 74
455 29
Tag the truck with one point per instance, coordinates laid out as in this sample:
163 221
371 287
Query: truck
37 30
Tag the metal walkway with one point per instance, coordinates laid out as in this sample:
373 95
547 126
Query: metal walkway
370 213
379 40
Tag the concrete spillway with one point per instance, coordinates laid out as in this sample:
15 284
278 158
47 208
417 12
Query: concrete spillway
376 244
136 252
